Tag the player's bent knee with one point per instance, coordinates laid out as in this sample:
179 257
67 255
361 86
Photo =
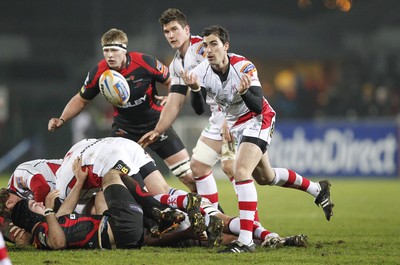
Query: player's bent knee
112 177
227 167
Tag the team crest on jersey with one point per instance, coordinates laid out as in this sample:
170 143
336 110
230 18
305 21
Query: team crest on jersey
248 68
162 68
121 166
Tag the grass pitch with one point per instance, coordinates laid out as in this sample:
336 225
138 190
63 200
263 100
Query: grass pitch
365 229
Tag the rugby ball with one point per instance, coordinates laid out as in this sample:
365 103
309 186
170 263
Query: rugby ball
114 88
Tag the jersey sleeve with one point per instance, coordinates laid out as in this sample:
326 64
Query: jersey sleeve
38 185
158 69
250 69
90 87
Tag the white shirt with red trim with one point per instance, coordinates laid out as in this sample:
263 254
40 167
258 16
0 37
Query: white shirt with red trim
99 156
21 179
225 93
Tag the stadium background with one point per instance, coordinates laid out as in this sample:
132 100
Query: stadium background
323 69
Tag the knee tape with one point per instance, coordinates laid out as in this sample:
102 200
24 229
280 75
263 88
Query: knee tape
205 154
228 151
180 169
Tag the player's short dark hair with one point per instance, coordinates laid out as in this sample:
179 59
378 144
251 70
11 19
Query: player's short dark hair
173 14
23 217
219 31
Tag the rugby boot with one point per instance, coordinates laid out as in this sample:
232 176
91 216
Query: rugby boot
196 219
238 247
214 231
296 241
324 199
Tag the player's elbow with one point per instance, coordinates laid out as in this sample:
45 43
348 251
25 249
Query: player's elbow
57 242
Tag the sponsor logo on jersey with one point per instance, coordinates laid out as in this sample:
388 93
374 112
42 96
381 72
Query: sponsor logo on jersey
136 102
121 166
21 183
248 68
201 50
83 89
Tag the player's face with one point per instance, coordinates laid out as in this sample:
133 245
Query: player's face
12 200
115 58
216 51
175 34
36 207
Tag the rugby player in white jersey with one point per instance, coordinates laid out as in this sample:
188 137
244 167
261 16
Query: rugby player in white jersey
98 156
232 81
189 53
30 180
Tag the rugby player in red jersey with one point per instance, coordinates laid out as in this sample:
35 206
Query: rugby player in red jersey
142 112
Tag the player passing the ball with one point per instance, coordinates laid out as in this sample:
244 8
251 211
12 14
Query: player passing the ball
232 82
142 112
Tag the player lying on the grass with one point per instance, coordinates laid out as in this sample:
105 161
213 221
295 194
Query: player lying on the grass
30 180
120 225
101 155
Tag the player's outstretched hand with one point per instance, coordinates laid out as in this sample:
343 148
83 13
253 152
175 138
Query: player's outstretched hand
148 138
55 123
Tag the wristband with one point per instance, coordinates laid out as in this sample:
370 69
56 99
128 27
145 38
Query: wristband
48 211
195 90
61 119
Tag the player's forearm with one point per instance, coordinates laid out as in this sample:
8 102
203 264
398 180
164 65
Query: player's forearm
170 112
56 237
253 99
71 201
197 101
74 107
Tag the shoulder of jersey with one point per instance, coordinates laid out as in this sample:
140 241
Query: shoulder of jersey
197 44
242 64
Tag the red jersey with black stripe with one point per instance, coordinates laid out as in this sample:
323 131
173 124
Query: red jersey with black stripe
81 231
142 71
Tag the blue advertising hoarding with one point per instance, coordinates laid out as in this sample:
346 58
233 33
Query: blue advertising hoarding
337 148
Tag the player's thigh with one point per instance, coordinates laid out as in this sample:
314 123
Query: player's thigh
206 153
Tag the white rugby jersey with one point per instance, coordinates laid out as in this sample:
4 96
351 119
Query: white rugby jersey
225 94
99 156
21 179
194 56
